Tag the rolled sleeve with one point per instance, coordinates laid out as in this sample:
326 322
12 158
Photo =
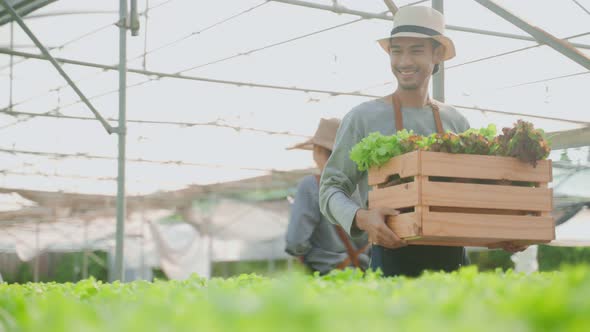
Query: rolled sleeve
340 179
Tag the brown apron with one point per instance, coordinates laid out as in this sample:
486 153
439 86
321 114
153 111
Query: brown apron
413 260
399 121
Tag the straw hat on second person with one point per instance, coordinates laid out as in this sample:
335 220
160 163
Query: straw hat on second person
324 136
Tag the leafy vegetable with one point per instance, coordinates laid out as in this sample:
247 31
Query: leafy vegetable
344 301
523 142
377 149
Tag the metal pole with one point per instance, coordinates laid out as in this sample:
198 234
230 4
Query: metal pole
85 257
574 138
11 65
539 34
55 64
145 32
210 80
134 19
142 242
391 6
36 267
156 74
438 80
121 132
368 15
25 7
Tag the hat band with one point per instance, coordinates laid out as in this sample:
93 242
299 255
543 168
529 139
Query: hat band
416 29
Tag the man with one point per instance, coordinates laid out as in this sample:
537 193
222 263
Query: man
417 46
319 244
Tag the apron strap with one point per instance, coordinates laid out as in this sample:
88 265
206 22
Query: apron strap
399 121
397 108
436 112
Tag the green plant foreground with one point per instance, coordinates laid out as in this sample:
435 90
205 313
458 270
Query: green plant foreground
346 301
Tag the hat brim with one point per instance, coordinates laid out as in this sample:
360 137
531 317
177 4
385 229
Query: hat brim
445 41
308 145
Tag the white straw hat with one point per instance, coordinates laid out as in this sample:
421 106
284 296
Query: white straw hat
420 22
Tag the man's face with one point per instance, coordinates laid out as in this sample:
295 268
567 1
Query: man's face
412 61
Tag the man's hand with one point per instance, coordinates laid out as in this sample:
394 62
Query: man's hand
512 247
372 221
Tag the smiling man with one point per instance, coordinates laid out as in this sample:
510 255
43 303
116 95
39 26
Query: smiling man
416 46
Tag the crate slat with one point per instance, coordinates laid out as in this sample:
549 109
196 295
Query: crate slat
466 242
486 196
405 225
478 211
487 226
405 165
452 242
399 196
483 167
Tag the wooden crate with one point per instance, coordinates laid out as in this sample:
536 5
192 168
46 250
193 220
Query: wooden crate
442 203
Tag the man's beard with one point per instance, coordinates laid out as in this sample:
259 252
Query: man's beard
407 86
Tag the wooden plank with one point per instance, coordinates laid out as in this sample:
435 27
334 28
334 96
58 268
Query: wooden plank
483 167
405 165
479 211
404 225
400 196
488 226
420 208
451 242
547 213
486 196
464 242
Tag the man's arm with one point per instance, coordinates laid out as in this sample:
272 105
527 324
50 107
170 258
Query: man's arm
305 216
339 180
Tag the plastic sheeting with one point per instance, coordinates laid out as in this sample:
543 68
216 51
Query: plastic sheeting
227 231
575 232
234 231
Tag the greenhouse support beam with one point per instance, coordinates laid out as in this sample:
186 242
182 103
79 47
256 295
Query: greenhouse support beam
438 79
368 15
11 64
533 116
85 255
539 34
574 138
37 254
391 6
249 84
68 13
122 134
157 75
54 62
24 8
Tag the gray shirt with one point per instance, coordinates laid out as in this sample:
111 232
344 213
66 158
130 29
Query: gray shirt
341 176
311 235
